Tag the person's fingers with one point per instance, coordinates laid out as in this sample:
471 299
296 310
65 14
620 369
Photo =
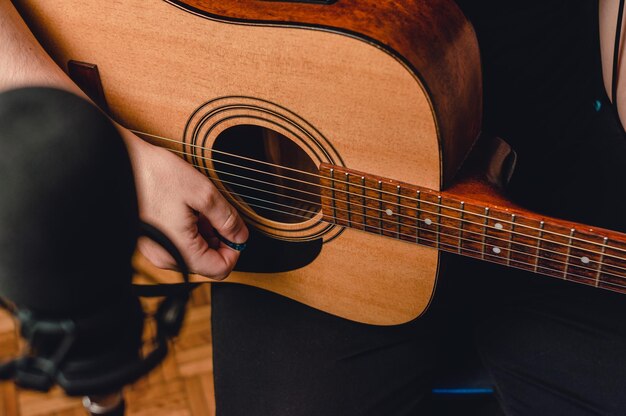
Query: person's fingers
156 254
203 254
224 219
208 256
213 263
186 206
207 232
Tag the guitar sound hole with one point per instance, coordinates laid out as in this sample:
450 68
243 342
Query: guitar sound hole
268 172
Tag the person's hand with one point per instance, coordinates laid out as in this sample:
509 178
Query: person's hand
172 195
188 208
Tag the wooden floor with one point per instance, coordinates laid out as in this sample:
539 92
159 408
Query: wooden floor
181 386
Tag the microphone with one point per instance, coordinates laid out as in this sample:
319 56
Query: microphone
68 207
69 225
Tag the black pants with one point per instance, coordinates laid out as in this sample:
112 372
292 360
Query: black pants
552 347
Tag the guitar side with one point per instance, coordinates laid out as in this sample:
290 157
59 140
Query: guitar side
169 70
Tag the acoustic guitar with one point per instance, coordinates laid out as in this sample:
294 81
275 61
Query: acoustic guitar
334 128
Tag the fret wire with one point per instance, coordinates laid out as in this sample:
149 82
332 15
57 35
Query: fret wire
461 227
485 232
604 243
508 257
348 200
541 225
438 220
332 187
380 206
417 220
569 251
364 203
399 206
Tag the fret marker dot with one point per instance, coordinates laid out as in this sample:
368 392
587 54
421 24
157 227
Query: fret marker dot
498 226
388 211
585 259
496 250
428 221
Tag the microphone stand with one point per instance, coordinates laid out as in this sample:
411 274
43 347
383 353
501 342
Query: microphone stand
106 405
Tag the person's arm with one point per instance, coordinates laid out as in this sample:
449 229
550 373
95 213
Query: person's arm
608 21
172 195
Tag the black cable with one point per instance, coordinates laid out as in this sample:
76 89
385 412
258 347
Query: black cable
91 371
163 240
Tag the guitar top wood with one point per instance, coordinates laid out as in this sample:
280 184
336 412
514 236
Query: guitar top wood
389 88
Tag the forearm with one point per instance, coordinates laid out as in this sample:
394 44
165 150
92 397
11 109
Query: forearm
608 20
172 195
25 63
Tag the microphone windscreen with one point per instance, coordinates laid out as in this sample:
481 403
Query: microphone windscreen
68 207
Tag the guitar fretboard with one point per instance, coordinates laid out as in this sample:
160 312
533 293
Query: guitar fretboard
513 238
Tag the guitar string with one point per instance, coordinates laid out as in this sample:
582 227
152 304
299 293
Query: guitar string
491 258
398 214
361 196
418 228
421 201
380 191
459 237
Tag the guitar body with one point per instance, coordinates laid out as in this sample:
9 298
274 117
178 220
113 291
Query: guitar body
391 88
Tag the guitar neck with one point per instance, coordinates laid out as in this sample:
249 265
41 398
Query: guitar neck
500 234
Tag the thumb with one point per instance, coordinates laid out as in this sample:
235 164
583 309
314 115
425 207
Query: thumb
212 259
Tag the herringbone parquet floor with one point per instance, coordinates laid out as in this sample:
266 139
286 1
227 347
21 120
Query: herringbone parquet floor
181 386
